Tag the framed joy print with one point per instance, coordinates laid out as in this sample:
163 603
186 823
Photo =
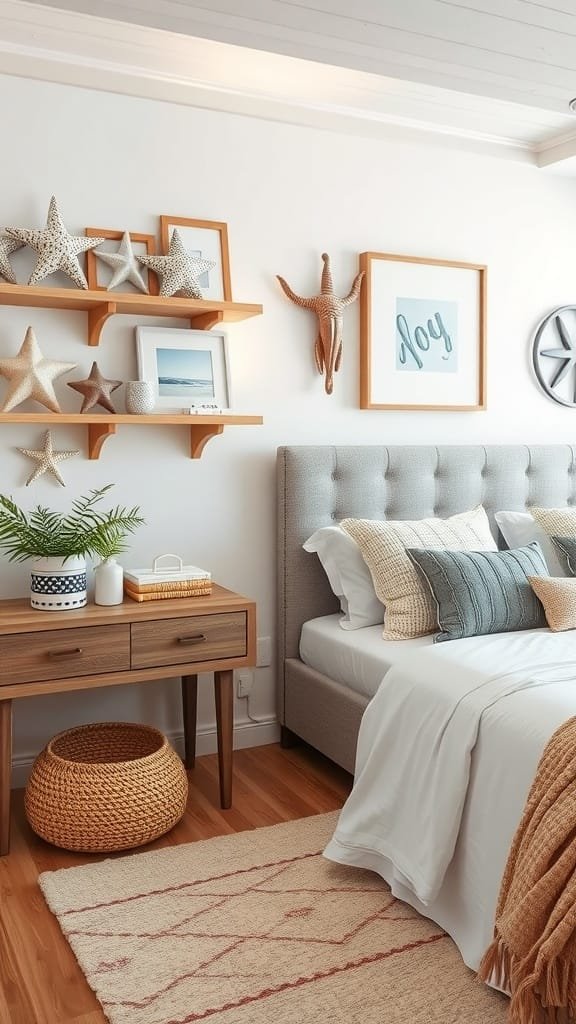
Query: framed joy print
422 333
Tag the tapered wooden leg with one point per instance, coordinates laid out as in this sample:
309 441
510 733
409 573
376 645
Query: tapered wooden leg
224 696
5 774
189 705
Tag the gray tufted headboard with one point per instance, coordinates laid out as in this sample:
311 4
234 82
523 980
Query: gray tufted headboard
321 485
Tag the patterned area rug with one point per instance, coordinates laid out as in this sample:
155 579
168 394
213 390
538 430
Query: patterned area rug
256 928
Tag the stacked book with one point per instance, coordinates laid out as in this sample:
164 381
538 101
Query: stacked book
153 584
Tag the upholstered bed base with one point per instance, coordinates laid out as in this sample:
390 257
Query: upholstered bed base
320 485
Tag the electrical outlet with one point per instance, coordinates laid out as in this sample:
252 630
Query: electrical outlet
263 651
245 682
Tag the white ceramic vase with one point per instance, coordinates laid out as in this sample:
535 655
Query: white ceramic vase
58 584
140 397
108 582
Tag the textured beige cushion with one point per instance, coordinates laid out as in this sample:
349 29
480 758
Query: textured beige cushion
559 599
559 522
409 607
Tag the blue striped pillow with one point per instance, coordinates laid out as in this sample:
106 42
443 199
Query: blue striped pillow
478 592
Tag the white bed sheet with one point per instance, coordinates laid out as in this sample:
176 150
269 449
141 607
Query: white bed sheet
356 658
513 729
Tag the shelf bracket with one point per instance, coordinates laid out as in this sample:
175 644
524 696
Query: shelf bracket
97 317
200 434
97 435
205 321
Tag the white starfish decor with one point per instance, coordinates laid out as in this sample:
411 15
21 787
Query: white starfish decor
179 269
124 264
7 247
57 250
31 375
47 459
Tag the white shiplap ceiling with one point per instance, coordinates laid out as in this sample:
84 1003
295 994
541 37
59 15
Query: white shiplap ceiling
496 74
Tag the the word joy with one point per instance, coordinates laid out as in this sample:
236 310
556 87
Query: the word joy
423 338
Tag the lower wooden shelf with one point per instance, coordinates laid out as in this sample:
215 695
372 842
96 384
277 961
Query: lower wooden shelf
102 425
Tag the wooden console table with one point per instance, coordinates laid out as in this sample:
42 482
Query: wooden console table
56 652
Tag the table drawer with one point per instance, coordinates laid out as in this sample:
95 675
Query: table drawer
194 638
60 653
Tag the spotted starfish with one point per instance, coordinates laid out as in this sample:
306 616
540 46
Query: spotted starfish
329 309
56 249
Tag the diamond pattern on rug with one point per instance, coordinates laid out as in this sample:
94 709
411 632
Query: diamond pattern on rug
186 937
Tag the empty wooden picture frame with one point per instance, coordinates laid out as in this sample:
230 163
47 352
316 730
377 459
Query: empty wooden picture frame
208 239
144 245
422 333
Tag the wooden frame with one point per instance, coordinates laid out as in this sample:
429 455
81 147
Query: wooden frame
116 236
376 366
202 225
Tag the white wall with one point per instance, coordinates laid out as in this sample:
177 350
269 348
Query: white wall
287 193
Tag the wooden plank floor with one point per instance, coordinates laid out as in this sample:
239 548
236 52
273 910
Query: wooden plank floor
40 981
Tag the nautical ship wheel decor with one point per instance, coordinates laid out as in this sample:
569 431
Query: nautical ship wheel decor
554 355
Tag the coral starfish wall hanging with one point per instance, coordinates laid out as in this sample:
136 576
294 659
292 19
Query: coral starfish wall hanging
329 310
56 249
32 376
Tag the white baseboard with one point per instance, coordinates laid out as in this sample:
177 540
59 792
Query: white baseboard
246 734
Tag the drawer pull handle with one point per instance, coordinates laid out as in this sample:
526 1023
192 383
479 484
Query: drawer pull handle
198 638
70 652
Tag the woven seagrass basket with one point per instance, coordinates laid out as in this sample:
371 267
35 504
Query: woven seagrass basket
105 787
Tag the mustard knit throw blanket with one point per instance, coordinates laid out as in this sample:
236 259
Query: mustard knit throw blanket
533 953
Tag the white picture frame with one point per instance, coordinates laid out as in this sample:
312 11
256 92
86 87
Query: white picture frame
422 334
188 369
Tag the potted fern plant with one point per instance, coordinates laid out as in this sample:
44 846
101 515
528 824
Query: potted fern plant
59 544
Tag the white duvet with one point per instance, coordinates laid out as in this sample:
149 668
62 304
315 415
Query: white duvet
447 752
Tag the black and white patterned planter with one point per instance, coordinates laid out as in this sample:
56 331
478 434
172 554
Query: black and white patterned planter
58 584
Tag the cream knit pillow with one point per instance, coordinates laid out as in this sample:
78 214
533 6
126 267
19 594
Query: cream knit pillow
559 599
560 522
409 607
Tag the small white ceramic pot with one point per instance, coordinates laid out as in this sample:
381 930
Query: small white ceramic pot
58 584
108 582
140 397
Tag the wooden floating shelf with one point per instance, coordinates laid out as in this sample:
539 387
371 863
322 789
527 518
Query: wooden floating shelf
102 426
101 305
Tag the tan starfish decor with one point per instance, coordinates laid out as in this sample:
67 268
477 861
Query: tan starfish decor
47 459
329 309
56 249
31 375
96 390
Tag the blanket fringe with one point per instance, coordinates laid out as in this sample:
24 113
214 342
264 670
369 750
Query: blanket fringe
495 965
541 996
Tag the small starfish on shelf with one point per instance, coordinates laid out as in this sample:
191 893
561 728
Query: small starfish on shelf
96 389
179 269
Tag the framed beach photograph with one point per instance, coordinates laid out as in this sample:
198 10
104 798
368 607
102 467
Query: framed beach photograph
207 239
189 369
422 333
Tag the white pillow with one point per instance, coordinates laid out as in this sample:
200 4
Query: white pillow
348 575
520 528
